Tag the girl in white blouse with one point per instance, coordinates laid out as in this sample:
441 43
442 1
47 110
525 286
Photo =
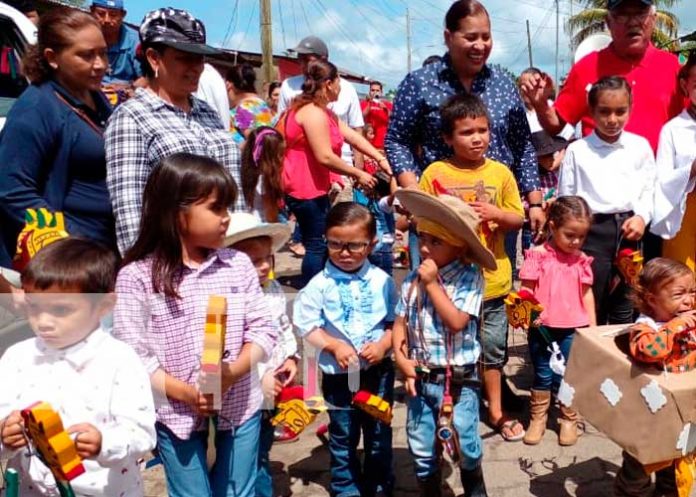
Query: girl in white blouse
675 200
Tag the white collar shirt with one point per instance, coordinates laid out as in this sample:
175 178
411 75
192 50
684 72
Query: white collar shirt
100 381
675 155
347 107
611 177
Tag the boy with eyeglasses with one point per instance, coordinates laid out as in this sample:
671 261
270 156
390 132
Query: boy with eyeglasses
347 311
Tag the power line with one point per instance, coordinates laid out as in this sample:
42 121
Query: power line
229 26
294 18
246 31
306 20
282 23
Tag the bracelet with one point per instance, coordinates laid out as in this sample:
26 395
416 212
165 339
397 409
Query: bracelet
540 206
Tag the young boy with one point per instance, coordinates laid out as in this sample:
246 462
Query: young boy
346 312
96 383
260 241
490 189
435 343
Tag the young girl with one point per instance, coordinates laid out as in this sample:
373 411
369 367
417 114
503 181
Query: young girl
675 200
560 276
666 291
347 311
262 161
614 171
175 265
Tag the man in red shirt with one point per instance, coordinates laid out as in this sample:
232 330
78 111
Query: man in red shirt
376 111
652 74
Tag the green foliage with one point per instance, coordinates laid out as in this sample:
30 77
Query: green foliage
591 20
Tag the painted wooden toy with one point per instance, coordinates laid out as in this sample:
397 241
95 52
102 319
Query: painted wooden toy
294 412
42 228
630 264
522 309
53 444
210 380
373 405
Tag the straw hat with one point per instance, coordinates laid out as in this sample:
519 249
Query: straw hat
244 226
454 214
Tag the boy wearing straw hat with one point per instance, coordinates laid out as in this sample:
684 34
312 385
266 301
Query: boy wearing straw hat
489 187
260 241
435 339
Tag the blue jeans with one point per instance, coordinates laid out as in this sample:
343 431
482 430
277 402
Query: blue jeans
234 471
413 248
311 218
264 480
421 426
544 377
511 250
345 425
493 334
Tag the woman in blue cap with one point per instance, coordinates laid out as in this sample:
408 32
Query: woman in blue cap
164 117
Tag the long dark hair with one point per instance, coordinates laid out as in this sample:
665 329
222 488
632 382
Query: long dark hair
56 31
262 156
318 72
175 184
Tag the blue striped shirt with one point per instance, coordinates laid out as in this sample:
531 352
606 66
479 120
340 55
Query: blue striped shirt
464 285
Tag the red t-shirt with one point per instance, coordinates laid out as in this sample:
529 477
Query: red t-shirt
656 94
378 117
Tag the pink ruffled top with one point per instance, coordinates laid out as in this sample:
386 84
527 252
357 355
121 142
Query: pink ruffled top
559 280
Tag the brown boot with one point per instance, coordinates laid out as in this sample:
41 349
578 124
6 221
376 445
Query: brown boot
568 423
539 414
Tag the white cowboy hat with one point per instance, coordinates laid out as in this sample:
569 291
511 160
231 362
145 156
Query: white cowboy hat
454 214
244 225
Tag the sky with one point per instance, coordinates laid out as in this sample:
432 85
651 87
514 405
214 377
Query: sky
369 36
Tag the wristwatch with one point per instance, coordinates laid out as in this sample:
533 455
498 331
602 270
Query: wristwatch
540 206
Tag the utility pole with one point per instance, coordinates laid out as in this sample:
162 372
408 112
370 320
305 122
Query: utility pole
266 41
408 40
558 27
529 45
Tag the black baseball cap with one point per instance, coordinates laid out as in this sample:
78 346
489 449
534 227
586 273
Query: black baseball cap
175 28
545 144
613 4
311 45
24 6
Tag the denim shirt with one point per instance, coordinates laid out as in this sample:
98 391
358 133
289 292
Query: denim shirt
51 157
416 120
352 307
123 66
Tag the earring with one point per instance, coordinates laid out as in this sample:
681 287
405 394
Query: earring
156 72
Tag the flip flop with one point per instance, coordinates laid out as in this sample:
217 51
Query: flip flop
506 425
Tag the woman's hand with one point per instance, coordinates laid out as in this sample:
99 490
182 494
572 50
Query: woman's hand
365 180
633 228
383 164
287 371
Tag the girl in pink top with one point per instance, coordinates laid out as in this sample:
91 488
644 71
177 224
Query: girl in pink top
559 275
314 136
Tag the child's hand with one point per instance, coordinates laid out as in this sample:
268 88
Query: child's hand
270 385
633 228
410 386
88 440
373 352
427 271
344 354
689 318
289 370
487 211
12 431
201 404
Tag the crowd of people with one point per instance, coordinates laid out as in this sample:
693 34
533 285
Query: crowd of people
176 184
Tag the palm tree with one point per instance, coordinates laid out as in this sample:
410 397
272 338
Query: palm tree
591 20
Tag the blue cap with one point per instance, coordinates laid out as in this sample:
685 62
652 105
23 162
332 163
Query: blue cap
109 4
613 4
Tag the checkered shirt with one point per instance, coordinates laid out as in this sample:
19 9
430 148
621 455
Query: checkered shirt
146 129
167 333
464 285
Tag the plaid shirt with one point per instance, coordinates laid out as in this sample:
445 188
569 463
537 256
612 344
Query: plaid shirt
464 285
167 333
145 130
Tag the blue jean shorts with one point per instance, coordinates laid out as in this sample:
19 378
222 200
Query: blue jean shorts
493 334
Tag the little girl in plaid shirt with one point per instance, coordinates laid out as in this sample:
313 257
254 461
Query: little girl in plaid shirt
176 263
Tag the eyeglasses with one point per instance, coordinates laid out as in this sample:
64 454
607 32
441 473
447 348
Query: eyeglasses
352 247
626 18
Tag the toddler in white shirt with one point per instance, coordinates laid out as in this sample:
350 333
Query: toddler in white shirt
96 383
614 171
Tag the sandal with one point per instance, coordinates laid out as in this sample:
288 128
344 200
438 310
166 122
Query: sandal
506 428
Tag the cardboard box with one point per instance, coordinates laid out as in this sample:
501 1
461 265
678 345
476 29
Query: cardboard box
650 413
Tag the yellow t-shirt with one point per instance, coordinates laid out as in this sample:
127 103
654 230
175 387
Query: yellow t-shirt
492 182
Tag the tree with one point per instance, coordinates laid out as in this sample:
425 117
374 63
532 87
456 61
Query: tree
591 20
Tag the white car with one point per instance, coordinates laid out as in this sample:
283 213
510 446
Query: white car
16 32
